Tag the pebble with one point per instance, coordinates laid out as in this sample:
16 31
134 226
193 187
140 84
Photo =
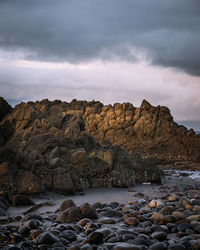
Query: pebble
158 246
46 238
88 212
132 221
172 222
159 236
126 246
95 238
107 220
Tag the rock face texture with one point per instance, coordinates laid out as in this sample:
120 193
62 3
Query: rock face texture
68 146
147 130
45 146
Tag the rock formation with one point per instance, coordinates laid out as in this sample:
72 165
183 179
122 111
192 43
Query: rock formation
147 130
44 146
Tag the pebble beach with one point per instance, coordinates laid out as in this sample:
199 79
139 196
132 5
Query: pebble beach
146 216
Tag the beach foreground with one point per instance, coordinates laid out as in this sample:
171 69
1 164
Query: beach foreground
146 216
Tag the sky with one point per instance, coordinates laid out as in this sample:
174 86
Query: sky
105 50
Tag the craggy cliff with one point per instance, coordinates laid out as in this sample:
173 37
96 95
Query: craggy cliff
45 146
147 130
69 146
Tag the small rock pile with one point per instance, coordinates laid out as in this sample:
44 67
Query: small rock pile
170 222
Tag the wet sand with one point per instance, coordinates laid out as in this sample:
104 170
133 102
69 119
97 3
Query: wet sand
172 179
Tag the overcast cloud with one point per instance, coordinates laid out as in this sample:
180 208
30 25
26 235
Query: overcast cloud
107 50
79 30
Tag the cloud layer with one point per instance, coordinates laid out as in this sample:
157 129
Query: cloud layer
107 82
165 33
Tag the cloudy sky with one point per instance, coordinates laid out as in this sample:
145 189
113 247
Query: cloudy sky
107 50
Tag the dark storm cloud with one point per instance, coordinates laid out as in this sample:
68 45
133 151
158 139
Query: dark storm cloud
166 32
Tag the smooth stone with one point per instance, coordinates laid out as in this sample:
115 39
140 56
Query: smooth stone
194 217
95 238
83 222
169 219
146 223
90 225
158 228
46 238
177 247
172 198
167 210
140 241
158 246
111 213
86 247
97 205
88 212
179 215
104 231
156 203
68 234
186 239
113 239
183 227
159 235
157 217
126 246
66 204
196 208
132 221
107 220
69 215
126 237
113 204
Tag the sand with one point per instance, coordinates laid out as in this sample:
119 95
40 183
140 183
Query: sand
106 195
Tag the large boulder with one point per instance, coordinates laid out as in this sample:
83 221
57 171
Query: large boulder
45 146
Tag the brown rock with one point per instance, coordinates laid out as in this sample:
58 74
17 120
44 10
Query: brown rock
132 221
179 215
69 215
194 217
78 156
157 218
67 204
28 183
88 212
167 210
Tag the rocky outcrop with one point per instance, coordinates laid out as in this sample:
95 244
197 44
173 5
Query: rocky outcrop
147 130
69 146
47 148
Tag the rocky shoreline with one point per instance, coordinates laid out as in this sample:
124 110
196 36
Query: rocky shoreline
101 155
146 216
